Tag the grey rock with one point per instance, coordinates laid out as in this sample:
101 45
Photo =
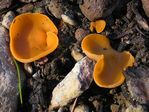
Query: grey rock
95 9
56 8
25 8
137 80
8 76
7 19
5 4
80 34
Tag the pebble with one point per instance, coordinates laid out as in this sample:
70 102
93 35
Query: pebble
9 94
98 105
68 19
25 8
76 55
74 84
56 8
5 4
7 19
80 34
137 80
28 67
81 108
95 9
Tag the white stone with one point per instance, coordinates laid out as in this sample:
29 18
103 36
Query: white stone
68 20
7 19
74 84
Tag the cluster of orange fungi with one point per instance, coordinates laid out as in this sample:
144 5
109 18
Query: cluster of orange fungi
34 35
110 64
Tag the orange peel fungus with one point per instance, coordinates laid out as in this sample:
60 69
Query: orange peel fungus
98 25
108 71
32 36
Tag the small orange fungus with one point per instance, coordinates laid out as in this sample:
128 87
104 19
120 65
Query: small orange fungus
98 25
32 36
108 71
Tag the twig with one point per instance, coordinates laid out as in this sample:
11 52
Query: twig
74 104
19 80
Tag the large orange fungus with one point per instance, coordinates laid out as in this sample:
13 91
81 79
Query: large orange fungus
108 71
32 36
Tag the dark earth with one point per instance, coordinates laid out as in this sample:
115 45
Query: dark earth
126 27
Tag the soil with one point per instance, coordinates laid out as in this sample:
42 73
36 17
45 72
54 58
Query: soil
125 33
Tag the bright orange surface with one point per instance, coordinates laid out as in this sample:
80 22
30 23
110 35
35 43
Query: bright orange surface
99 26
108 71
32 36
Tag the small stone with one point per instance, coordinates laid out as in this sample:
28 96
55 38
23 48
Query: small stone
97 105
56 8
28 67
80 34
68 19
137 80
136 108
115 108
39 10
25 8
76 55
74 84
7 19
9 93
95 9
5 4
81 108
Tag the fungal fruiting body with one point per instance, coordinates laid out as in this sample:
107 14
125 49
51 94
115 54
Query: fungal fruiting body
108 71
98 25
32 36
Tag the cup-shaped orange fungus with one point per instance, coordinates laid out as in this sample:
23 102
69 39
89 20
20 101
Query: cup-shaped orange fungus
108 71
98 25
32 36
